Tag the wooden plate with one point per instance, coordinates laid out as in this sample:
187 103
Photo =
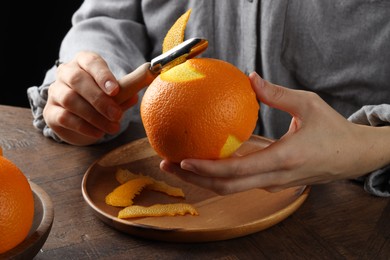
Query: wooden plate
42 223
220 217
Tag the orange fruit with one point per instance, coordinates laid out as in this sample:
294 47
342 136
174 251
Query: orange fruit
203 108
16 205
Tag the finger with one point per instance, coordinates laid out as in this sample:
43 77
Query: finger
169 167
270 159
69 100
81 82
224 186
66 125
277 96
129 103
220 186
97 67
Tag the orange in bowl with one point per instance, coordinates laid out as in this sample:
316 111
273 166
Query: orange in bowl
16 205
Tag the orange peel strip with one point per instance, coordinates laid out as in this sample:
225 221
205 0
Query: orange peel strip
174 37
124 175
163 187
123 195
158 210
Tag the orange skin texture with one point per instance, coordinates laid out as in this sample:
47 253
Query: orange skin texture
16 205
175 35
193 118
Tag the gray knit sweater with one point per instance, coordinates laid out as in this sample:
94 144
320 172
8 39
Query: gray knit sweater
339 49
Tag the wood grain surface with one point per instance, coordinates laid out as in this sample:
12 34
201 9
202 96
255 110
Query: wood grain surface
338 220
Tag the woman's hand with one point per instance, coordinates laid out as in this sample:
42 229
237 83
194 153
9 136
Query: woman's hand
320 146
80 108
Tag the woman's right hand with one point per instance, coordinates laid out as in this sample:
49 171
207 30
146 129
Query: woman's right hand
80 108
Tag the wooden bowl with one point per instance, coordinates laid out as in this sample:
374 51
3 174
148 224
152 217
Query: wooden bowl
220 217
42 223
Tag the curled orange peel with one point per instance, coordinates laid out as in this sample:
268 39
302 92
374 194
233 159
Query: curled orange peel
174 37
123 195
158 210
124 175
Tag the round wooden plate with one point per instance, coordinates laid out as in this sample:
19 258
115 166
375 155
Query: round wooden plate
220 217
42 223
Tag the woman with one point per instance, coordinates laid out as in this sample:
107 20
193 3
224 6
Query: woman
331 57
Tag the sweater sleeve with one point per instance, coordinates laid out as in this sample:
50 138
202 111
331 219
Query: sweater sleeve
37 97
113 29
377 182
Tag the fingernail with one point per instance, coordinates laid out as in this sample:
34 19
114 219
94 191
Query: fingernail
166 167
109 86
187 166
257 79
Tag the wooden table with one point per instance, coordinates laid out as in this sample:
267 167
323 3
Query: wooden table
337 221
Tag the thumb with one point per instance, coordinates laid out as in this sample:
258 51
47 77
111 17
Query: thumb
276 96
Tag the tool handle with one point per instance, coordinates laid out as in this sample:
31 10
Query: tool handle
133 82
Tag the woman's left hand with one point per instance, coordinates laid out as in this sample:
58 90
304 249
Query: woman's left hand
320 146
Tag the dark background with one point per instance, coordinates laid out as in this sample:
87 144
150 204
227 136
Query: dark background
32 34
